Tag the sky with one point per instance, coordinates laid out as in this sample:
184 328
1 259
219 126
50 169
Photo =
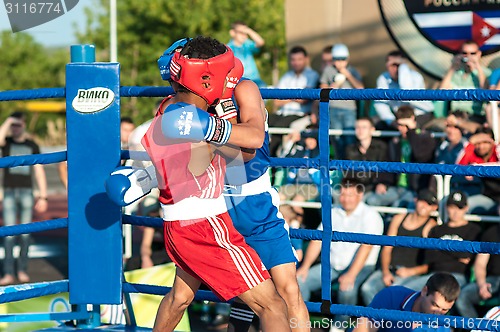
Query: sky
56 33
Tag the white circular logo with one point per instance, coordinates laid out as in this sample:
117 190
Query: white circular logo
93 100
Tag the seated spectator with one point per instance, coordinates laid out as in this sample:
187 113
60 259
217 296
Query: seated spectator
399 75
466 72
461 120
487 274
300 76
341 75
400 264
414 145
366 148
350 263
453 146
482 150
300 184
457 228
436 297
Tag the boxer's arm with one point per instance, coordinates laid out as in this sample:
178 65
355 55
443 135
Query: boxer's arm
249 132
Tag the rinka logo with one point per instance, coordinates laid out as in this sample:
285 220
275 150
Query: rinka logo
93 100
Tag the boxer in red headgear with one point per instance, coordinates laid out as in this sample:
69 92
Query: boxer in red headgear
199 235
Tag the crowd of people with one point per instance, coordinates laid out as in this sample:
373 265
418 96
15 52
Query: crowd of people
259 239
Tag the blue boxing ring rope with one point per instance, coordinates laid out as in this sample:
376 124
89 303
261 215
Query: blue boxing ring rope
94 222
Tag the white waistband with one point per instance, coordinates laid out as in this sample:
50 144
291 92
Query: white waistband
194 208
255 187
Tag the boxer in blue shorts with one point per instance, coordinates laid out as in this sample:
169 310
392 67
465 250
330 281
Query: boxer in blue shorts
253 205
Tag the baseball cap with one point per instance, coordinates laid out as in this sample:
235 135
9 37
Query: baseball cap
427 196
457 198
340 51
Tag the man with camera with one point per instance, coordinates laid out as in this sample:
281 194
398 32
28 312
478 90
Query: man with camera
466 72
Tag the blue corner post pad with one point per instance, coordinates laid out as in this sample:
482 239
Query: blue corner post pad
83 53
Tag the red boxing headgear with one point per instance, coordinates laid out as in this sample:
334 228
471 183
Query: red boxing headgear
235 74
204 77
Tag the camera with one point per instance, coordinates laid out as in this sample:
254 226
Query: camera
465 59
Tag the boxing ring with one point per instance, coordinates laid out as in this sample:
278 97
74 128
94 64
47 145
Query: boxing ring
94 223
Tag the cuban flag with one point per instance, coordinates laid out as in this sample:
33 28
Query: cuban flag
450 29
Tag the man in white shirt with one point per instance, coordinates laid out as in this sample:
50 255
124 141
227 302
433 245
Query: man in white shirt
351 263
400 76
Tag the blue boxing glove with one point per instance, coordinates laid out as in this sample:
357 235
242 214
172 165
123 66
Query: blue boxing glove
188 123
126 185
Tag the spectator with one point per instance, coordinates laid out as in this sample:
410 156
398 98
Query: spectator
244 48
399 75
482 150
326 57
487 274
18 193
300 76
436 297
414 145
341 75
453 146
350 263
458 229
126 127
400 264
466 72
301 183
366 148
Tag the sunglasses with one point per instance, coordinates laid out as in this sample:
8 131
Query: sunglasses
451 126
469 53
339 59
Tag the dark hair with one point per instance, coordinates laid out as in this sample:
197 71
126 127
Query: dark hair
485 130
394 53
352 182
445 284
18 115
202 47
327 49
297 49
235 23
126 119
468 42
460 114
365 118
405 112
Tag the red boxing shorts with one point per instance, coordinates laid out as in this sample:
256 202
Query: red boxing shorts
212 251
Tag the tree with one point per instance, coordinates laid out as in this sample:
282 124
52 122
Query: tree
147 28
28 65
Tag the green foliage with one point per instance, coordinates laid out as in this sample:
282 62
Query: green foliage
146 28
28 65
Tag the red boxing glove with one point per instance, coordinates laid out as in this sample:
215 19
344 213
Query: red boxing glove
226 109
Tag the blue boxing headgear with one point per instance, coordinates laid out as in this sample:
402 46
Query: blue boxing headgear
166 58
